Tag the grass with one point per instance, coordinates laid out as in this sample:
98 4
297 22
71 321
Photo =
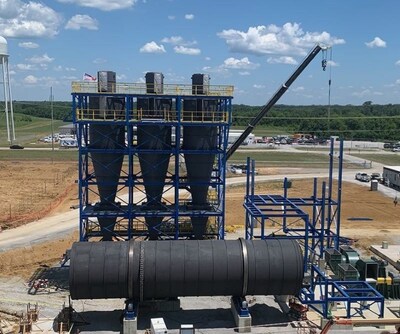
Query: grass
385 159
28 129
39 155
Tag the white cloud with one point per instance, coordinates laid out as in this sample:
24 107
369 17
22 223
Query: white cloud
258 86
332 63
69 78
173 40
40 81
288 39
189 16
207 58
30 80
376 43
398 82
105 5
82 21
397 63
40 59
298 89
282 60
171 17
366 93
244 73
121 77
28 45
152 47
187 51
20 19
177 40
99 61
218 69
59 68
242 64
26 67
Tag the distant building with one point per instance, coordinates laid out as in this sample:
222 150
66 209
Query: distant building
68 129
235 134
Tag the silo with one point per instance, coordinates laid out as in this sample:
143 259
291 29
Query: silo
106 138
199 140
153 140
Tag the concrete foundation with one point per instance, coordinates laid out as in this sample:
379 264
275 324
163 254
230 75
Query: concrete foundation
129 326
243 323
390 253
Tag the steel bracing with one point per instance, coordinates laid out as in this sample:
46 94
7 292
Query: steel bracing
118 193
315 222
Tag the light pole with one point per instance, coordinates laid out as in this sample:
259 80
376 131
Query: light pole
52 118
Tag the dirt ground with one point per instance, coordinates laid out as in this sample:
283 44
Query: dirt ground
367 216
31 190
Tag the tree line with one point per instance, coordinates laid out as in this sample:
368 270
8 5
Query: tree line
364 122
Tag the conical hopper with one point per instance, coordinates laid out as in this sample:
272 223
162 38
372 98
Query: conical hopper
107 166
199 165
154 165
199 169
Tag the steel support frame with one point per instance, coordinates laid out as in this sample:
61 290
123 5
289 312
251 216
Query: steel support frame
319 232
322 229
128 213
324 291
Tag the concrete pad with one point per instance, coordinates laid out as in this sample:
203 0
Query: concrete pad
391 254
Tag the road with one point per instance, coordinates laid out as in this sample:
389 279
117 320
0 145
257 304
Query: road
57 226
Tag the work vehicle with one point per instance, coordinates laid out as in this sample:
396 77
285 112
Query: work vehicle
363 177
391 175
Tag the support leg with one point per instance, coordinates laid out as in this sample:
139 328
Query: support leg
241 314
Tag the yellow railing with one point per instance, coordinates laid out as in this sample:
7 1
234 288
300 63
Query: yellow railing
97 114
153 115
143 88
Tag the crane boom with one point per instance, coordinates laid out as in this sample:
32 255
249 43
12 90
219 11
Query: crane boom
273 100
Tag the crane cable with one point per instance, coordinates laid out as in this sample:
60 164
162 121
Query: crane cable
326 63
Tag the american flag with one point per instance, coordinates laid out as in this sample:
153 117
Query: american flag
88 77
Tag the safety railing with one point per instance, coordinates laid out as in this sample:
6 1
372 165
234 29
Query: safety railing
89 114
161 89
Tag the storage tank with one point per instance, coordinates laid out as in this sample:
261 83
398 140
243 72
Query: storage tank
200 140
153 139
107 166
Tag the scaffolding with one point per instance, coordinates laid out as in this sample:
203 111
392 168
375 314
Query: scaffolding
128 111
314 222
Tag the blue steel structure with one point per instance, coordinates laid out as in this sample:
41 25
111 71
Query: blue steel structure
126 211
315 222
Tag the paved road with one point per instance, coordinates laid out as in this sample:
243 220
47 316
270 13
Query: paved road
57 226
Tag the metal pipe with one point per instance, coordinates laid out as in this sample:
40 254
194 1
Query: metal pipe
146 270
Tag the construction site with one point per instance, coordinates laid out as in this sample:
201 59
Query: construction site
159 237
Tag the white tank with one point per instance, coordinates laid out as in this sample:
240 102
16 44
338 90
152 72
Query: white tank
3 47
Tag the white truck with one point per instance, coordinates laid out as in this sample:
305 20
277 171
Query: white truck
391 176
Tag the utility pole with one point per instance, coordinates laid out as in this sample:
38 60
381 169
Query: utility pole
52 120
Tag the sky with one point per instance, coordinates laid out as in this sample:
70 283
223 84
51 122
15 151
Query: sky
254 45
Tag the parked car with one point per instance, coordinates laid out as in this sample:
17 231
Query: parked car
388 145
363 177
16 147
376 176
396 149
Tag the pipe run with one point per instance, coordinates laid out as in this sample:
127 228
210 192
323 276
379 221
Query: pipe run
145 270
